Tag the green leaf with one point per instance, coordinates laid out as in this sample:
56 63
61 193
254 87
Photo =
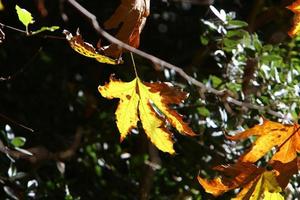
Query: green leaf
216 81
270 58
236 33
256 42
24 16
44 28
236 24
203 111
18 141
231 44
204 40
267 47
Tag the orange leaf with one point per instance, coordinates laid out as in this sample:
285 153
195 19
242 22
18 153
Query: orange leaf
271 134
255 182
132 14
285 171
148 103
77 43
233 176
295 7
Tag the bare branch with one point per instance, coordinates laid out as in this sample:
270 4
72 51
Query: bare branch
204 88
41 154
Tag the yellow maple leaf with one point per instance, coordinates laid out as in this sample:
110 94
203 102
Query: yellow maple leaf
149 103
77 43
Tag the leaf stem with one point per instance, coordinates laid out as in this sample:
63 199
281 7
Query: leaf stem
134 66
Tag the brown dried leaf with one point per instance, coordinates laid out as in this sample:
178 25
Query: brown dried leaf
77 43
255 182
131 15
233 176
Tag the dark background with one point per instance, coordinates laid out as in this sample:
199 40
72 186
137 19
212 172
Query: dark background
54 92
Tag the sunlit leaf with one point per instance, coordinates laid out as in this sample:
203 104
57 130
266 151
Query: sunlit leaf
130 17
295 7
233 176
1 5
271 134
256 183
76 42
148 103
24 16
266 188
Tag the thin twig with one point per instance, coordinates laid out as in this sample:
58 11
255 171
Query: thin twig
22 69
30 33
93 20
16 123
13 28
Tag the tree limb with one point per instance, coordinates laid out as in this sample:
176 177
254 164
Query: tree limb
204 88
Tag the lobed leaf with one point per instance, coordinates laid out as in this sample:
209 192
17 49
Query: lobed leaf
271 134
256 183
140 101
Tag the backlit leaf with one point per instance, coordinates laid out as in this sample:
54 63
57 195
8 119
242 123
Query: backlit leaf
295 7
77 43
1 5
256 183
233 176
131 15
24 16
271 134
266 188
148 103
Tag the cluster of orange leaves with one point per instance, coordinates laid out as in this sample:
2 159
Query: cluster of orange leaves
270 136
